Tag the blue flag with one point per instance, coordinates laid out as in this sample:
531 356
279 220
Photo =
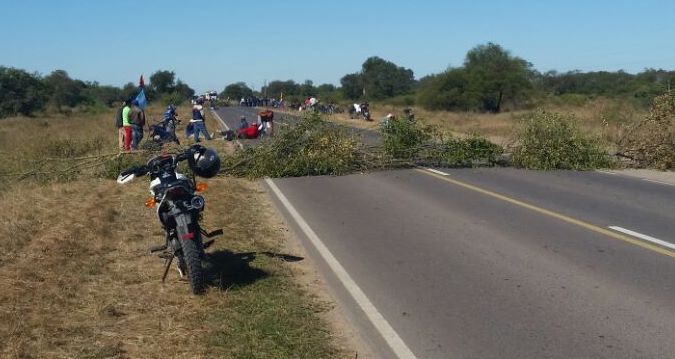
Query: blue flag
142 102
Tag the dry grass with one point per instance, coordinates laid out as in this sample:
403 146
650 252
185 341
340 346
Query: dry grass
606 118
78 281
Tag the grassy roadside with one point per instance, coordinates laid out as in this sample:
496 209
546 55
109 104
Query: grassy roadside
605 118
78 280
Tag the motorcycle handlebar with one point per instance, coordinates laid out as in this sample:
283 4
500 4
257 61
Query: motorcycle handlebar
182 156
136 170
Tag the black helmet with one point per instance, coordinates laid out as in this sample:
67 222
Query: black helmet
204 162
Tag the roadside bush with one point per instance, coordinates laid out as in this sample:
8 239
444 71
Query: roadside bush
651 142
549 140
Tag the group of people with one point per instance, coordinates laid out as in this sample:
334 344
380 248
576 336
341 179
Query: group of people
130 120
264 125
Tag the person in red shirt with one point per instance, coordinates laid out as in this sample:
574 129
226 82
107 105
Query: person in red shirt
249 132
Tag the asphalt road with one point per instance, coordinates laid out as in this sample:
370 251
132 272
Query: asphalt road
491 263
495 263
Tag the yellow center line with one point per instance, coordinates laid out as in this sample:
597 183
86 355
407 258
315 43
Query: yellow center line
550 213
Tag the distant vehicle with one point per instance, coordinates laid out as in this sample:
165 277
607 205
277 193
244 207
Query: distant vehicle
211 95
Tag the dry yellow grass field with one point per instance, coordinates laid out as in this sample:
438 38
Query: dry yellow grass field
606 118
78 281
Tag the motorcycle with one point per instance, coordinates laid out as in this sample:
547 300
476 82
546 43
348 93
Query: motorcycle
179 208
161 133
365 113
360 111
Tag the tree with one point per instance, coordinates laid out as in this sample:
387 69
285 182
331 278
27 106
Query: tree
129 91
328 93
163 82
236 91
384 79
352 86
183 90
63 91
105 95
288 88
307 88
20 92
447 91
496 75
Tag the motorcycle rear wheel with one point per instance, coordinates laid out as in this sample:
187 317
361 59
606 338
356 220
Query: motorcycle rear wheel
192 257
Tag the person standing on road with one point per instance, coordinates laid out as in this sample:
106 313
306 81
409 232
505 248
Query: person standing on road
198 120
267 121
126 124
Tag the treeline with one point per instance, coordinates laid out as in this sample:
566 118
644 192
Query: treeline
489 80
24 93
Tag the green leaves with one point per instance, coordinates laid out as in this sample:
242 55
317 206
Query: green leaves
378 79
20 92
490 77
549 140
311 147
407 142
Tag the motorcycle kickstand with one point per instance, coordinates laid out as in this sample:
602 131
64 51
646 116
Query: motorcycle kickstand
166 267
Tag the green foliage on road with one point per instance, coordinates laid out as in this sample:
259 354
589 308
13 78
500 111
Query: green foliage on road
405 141
314 146
311 147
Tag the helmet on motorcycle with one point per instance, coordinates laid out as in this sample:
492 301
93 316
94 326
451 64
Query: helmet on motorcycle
204 162
170 108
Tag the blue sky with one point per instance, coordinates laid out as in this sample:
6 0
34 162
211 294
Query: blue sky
211 43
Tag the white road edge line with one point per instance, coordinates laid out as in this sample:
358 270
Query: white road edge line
644 237
607 172
226 127
436 171
657 181
379 322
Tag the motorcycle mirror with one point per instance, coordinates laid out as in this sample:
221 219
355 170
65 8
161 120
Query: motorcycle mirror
122 179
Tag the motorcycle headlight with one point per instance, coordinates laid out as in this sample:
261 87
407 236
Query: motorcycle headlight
197 202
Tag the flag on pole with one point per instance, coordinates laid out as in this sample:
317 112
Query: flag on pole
140 98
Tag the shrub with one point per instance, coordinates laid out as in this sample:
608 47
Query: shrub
549 140
651 143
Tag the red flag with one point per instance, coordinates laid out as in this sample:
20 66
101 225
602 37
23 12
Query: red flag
141 83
